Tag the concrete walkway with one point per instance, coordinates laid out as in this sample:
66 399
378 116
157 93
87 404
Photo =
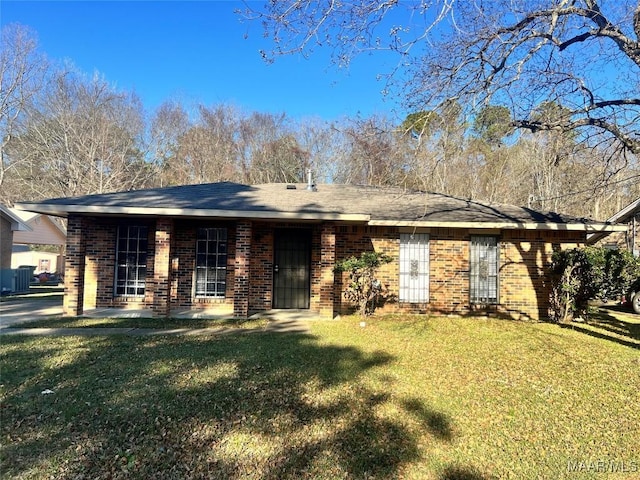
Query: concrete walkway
17 311
274 326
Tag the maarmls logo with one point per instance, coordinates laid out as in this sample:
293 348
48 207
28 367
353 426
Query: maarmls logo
603 466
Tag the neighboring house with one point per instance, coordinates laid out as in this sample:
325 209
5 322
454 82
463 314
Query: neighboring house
10 224
43 230
628 239
274 246
41 260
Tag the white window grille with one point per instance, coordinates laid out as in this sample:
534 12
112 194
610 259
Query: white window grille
414 268
483 270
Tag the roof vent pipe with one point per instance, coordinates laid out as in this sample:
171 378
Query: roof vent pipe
310 186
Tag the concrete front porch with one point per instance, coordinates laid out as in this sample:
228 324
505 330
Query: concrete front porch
203 314
186 313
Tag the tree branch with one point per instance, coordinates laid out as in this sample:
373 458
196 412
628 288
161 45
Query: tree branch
628 143
615 103
592 12
576 39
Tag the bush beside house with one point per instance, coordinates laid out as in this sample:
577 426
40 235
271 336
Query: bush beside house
592 273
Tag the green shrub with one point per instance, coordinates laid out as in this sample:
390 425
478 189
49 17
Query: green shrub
620 270
571 286
364 289
589 273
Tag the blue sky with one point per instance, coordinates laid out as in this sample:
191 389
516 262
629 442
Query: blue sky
201 52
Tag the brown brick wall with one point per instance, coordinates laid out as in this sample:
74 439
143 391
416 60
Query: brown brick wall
101 235
242 268
73 303
99 277
323 259
101 258
449 270
184 264
448 265
160 288
99 247
182 288
352 240
524 256
261 276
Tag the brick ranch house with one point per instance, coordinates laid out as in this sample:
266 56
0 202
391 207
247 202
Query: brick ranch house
253 248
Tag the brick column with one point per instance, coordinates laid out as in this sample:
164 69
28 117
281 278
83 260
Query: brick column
73 304
161 268
327 263
242 264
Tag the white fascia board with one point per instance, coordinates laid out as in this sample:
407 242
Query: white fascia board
64 210
580 227
624 212
17 224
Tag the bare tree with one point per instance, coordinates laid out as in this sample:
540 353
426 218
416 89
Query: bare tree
221 143
168 124
374 153
268 150
441 161
82 136
22 73
207 150
582 54
322 143
222 122
280 160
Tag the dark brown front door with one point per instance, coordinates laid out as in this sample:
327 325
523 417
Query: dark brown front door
291 268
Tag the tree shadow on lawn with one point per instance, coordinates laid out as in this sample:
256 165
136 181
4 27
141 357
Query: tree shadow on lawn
256 406
611 323
456 472
617 319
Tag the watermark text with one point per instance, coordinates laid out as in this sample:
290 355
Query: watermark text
603 466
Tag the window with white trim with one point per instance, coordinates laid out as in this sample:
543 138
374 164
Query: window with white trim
131 260
211 262
414 268
483 269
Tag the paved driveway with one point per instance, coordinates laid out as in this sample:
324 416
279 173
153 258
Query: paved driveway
14 311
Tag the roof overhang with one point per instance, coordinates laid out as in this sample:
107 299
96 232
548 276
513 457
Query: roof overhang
65 210
576 227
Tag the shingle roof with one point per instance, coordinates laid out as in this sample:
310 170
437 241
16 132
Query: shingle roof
374 205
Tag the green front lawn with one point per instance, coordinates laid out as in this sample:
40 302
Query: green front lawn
154 323
403 397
